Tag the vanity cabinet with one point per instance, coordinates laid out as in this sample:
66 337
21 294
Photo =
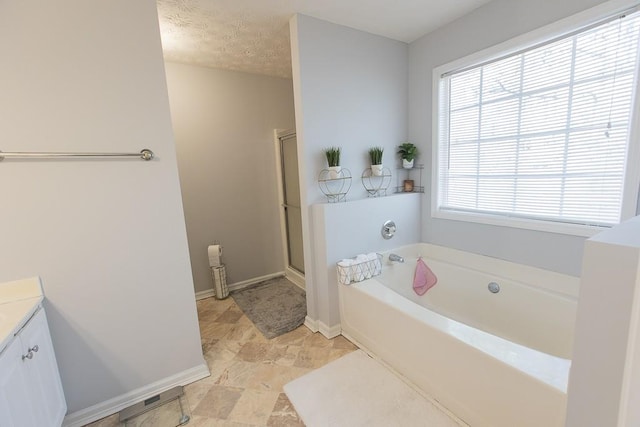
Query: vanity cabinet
30 389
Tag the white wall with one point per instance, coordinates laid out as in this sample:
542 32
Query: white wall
223 123
350 90
605 351
493 23
353 94
355 228
106 236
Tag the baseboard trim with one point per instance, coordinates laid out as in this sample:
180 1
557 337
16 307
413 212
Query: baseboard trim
208 293
295 277
311 324
116 404
246 283
205 294
330 331
319 326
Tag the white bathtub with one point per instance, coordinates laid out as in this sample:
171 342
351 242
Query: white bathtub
493 359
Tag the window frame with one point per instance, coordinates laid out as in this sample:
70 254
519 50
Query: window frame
562 28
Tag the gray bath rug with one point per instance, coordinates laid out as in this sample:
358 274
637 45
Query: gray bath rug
275 306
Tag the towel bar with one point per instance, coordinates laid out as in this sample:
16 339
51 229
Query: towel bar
145 154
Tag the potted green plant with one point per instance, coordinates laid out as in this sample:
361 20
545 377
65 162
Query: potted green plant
408 153
333 160
375 154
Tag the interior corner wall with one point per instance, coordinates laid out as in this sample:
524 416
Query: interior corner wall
224 123
355 228
493 23
350 90
107 236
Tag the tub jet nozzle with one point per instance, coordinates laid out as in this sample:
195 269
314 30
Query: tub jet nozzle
396 258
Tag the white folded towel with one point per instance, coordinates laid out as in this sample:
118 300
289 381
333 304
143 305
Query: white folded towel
374 263
362 268
345 271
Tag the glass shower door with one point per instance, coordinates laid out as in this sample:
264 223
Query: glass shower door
292 210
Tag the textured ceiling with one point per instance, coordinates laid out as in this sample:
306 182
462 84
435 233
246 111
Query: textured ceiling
253 35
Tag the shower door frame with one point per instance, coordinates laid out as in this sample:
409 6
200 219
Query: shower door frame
291 272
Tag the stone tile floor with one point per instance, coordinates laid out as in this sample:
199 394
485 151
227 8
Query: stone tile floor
248 371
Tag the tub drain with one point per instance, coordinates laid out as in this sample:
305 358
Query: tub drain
494 288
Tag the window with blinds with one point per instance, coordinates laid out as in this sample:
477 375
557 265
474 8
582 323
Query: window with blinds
543 133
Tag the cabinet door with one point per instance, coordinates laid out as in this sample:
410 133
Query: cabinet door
42 372
15 390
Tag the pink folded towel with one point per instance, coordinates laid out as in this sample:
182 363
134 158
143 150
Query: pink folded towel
424 279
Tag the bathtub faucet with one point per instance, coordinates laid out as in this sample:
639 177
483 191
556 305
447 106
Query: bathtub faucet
396 258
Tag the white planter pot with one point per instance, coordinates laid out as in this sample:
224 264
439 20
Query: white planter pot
334 172
376 170
407 164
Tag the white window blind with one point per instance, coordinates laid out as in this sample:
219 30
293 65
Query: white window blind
542 134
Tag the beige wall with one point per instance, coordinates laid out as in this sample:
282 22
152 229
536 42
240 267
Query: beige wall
106 236
223 123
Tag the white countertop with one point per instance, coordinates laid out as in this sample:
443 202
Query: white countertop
18 301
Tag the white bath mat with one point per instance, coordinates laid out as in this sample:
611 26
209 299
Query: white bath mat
357 391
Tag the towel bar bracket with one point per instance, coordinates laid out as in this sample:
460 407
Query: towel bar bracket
146 154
